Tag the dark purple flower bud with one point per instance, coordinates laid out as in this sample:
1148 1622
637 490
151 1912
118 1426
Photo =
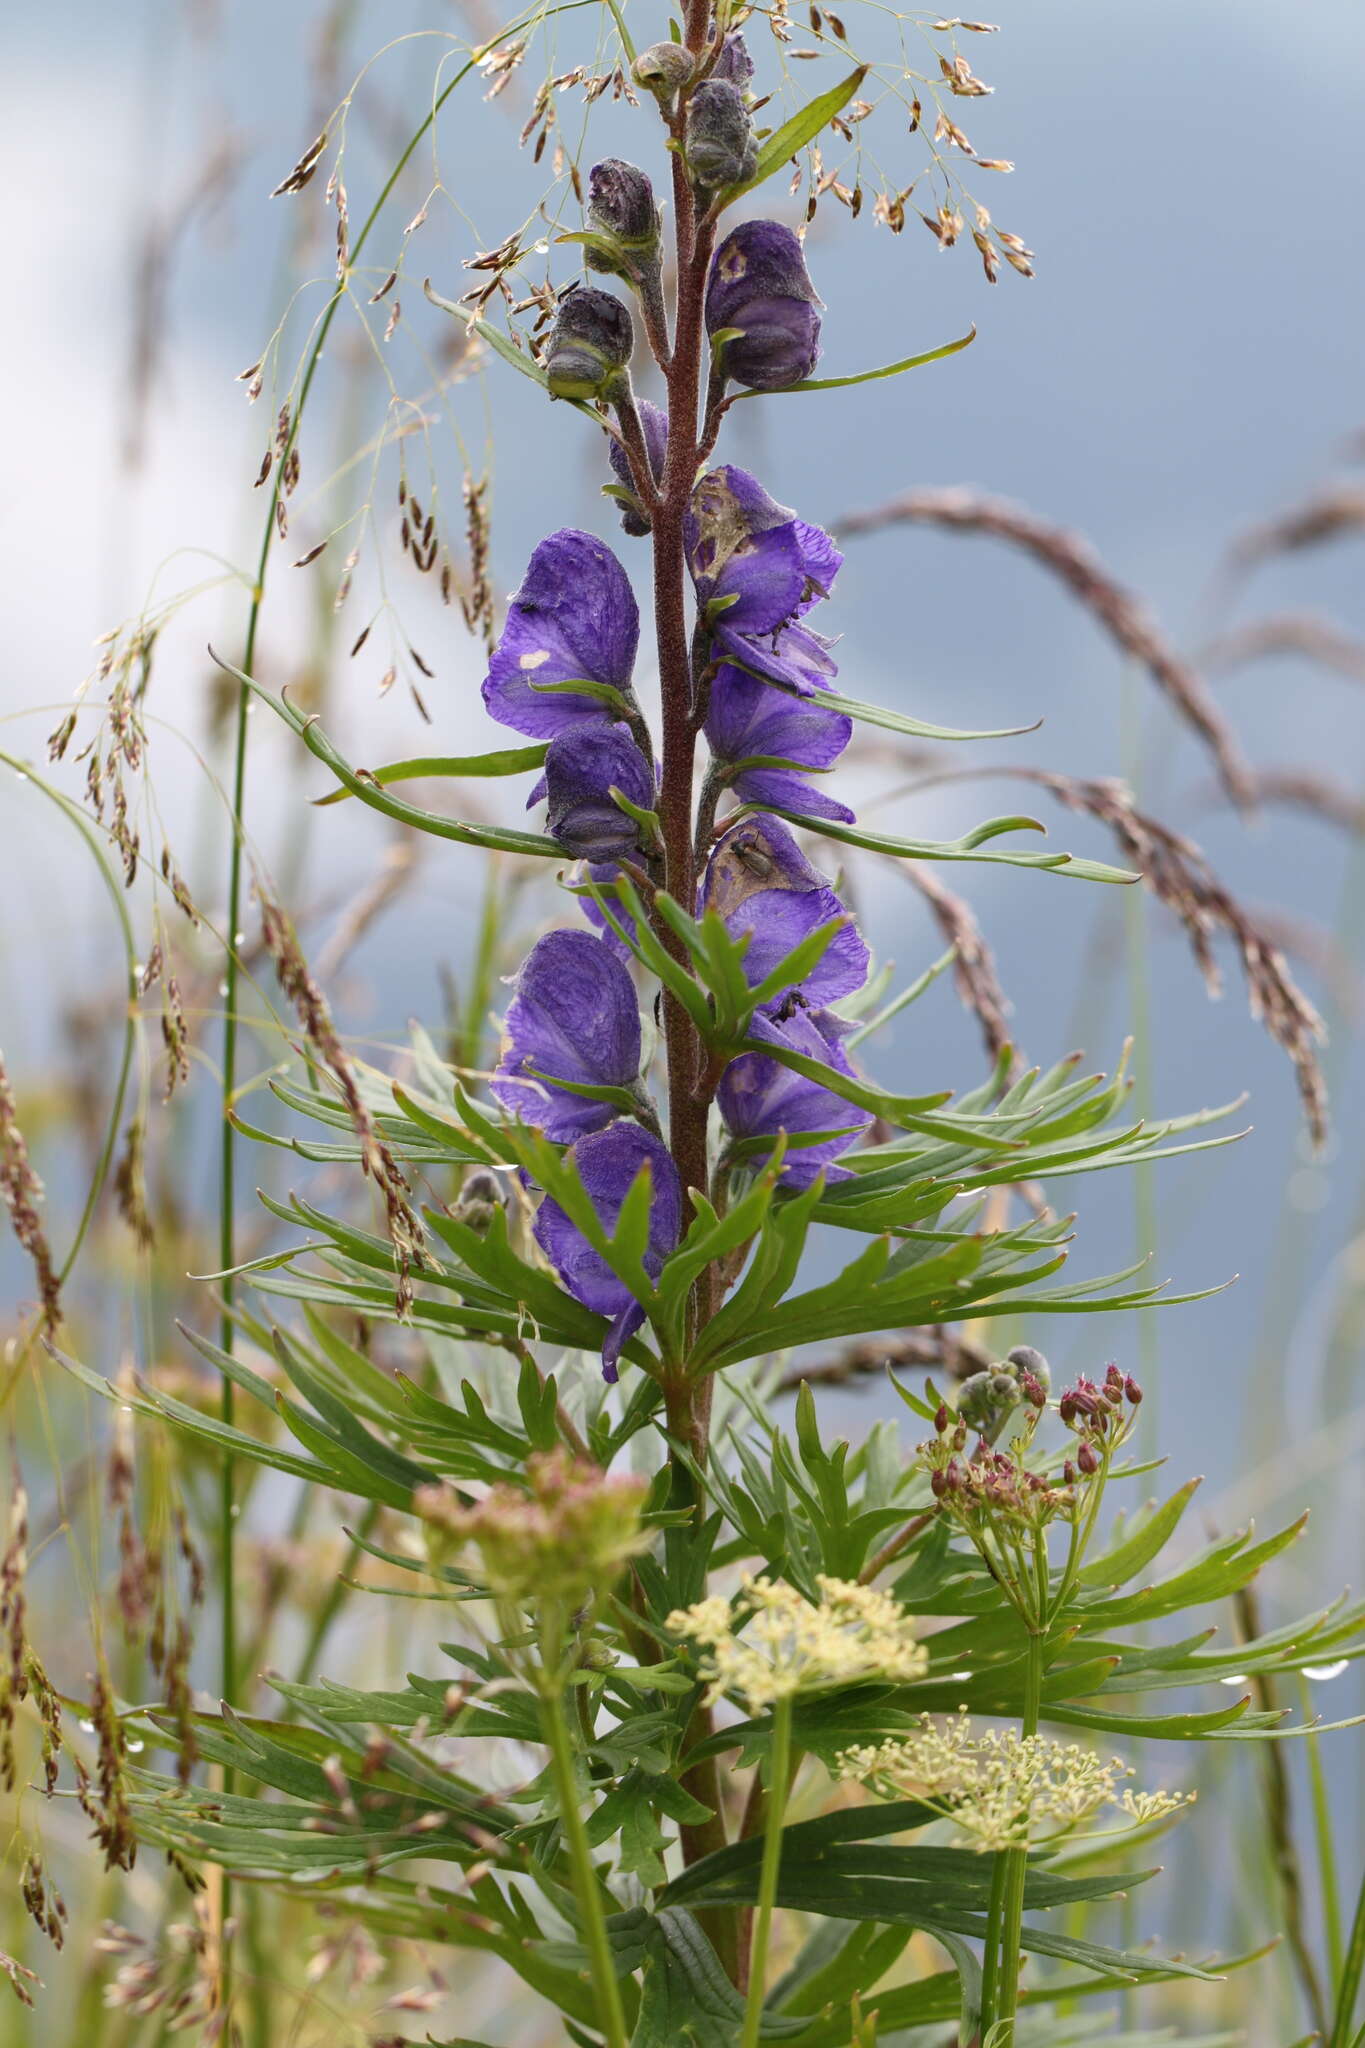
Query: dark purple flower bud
589 345
654 426
574 1017
574 619
621 204
1132 1390
1032 1390
942 1417
663 68
758 1096
747 719
753 562
720 147
581 768
1069 1473
760 293
609 1163
759 881
1088 1458
734 62
938 1484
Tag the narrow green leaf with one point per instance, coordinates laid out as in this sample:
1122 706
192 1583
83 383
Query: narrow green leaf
803 127
507 761
933 355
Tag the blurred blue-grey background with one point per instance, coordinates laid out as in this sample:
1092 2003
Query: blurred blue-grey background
1186 363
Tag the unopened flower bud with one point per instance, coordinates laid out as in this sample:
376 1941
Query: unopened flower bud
582 767
986 1401
734 64
1024 1359
590 345
759 294
1132 1390
479 1198
941 1417
621 203
1069 1473
663 68
654 427
938 1484
720 147
1088 1458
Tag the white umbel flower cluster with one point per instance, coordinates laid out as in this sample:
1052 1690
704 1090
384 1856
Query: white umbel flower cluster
1002 1788
772 1643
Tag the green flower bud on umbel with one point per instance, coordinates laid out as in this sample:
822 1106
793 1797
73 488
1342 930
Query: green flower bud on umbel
720 146
590 345
663 69
987 1400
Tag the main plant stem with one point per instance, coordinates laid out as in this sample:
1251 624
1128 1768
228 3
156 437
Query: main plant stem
687 1404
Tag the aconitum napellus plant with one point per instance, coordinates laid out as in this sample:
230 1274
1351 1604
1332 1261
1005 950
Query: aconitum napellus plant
757 1707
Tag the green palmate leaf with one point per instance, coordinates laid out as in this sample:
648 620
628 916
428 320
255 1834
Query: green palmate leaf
966 848
803 127
686 1997
507 761
933 355
377 798
629 1811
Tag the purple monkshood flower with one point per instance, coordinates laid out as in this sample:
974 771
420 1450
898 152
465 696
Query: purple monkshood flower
746 717
574 619
760 286
582 766
574 1017
734 62
759 881
608 1163
654 425
758 1096
743 546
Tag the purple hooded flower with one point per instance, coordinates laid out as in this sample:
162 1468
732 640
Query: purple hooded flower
574 1017
759 881
734 62
582 767
574 619
608 1163
743 546
759 285
758 1096
654 425
746 717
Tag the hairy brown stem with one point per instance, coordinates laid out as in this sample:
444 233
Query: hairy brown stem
687 1401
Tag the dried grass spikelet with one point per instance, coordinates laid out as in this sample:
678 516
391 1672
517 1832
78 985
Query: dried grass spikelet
1334 510
974 972
315 1018
1321 796
130 1184
1073 560
937 1349
104 1798
1179 875
1303 633
22 1194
